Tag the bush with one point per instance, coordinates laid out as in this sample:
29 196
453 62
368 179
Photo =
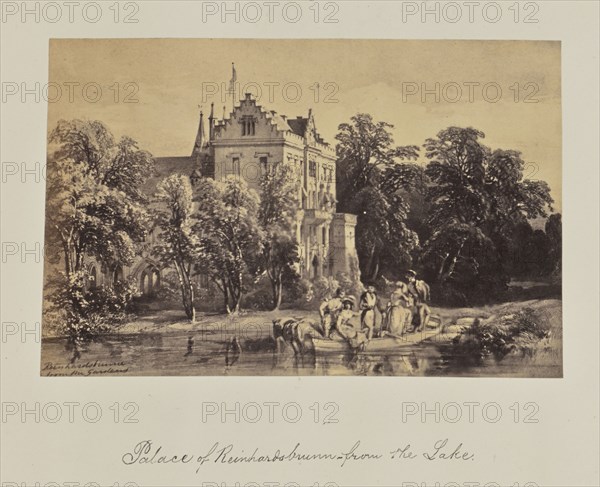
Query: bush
88 313
511 333
300 294
349 284
169 294
448 295
324 287
260 297
169 290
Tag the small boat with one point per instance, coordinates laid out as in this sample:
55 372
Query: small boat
375 345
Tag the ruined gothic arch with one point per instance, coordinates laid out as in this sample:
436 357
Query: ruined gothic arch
92 277
148 277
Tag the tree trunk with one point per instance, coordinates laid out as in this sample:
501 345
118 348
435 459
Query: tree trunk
192 315
237 301
277 287
236 296
454 259
279 294
67 260
440 276
187 291
369 264
225 297
236 293
274 291
78 260
375 271
186 304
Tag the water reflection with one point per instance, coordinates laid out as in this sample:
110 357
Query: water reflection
418 362
181 354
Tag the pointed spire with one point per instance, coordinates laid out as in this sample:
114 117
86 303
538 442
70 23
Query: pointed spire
211 122
200 137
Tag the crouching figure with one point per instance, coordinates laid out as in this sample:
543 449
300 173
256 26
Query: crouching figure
294 332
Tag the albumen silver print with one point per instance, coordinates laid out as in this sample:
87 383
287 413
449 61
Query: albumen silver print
303 207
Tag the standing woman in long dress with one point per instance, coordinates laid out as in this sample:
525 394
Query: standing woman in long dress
399 313
369 305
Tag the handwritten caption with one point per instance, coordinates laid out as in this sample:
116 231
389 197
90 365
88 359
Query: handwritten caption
146 452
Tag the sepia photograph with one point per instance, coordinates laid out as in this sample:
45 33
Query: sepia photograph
269 207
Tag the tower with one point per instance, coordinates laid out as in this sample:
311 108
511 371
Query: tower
343 256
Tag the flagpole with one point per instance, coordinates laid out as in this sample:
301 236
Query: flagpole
234 81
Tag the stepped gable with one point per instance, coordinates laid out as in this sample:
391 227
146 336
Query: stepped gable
279 123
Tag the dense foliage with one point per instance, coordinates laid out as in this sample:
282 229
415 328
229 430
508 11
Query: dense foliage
95 208
462 218
369 177
226 222
277 218
178 246
517 333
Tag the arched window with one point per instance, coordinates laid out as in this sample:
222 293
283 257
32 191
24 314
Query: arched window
93 277
248 126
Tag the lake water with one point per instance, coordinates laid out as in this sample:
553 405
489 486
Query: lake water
168 355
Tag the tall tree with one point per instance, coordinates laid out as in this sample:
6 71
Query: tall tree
365 149
179 245
457 197
511 198
370 175
478 203
277 217
512 202
95 206
457 172
230 236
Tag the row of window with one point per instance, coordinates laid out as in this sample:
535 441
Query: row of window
312 236
312 169
232 166
327 174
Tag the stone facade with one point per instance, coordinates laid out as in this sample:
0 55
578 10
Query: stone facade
252 138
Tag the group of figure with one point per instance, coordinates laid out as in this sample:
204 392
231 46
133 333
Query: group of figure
409 298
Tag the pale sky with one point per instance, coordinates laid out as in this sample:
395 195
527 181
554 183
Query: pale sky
373 76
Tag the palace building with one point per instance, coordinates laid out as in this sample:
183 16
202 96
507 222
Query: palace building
244 145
